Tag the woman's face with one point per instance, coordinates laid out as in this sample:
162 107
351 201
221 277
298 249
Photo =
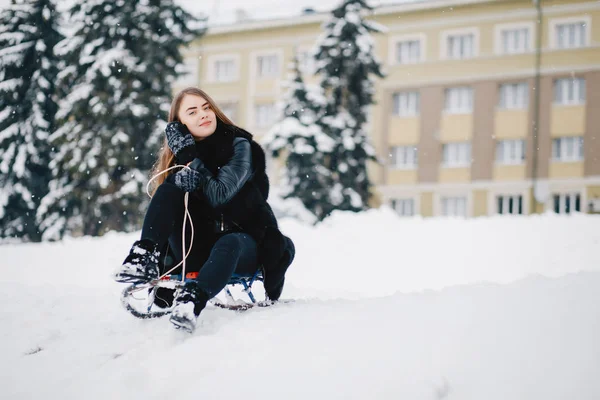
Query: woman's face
196 113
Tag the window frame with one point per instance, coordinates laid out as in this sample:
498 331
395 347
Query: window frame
578 156
254 66
504 85
393 45
396 104
446 163
255 119
451 111
581 88
405 149
459 32
403 200
500 28
212 70
554 22
504 143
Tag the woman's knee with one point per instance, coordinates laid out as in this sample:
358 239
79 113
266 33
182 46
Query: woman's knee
289 247
230 241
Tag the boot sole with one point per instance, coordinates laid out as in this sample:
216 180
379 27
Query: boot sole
182 324
123 278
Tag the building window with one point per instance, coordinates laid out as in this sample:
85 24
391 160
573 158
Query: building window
509 205
404 157
188 72
408 52
406 104
456 155
460 46
267 66
571 35
225 70
264 115
566 203
459 100
404 207
514 95
305 62
229 109
454 206
510 151
569 91
515 40
567 149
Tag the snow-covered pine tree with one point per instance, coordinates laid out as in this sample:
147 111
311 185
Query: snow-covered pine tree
303 144
345 63
120 66
28 70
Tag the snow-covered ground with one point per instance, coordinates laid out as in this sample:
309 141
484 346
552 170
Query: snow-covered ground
386 308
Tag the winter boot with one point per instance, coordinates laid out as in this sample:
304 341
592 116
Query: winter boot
274 277
141 265
190 300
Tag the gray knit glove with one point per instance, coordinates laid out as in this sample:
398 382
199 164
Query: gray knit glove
186 179
181 142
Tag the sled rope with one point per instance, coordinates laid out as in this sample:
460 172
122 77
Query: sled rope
186 216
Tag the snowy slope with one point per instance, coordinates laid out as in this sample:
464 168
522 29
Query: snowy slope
490 308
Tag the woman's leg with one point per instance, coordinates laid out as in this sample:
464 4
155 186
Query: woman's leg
233 252
164 215
164 210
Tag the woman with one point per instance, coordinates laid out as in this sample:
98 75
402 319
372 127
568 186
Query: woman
234 227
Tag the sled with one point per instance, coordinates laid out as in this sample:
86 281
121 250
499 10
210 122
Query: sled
144 292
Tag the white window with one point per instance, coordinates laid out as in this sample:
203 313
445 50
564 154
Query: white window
456 155
454 206
460 46
306 62
509 204
404 157
459 100
267 66
408 52
188 72
515 40
569 35
569 91
225 70
404 207
229 109
510 152
566 149
406 104
566 203
406 49
514 95
264 115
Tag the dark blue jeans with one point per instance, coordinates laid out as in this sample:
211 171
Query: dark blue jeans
233 252
217 257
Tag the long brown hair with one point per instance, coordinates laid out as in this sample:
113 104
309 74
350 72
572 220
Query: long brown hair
166 158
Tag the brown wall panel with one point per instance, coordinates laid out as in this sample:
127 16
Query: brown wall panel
544 146
591 139
430 153
483 143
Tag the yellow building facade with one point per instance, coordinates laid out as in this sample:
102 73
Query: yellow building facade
483 111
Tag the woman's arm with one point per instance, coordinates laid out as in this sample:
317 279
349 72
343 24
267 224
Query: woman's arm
220 189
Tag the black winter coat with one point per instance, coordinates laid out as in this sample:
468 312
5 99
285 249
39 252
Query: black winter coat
234 191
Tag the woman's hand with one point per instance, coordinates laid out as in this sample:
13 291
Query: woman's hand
181 142
187 179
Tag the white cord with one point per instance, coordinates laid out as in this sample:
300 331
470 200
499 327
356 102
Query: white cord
186 216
